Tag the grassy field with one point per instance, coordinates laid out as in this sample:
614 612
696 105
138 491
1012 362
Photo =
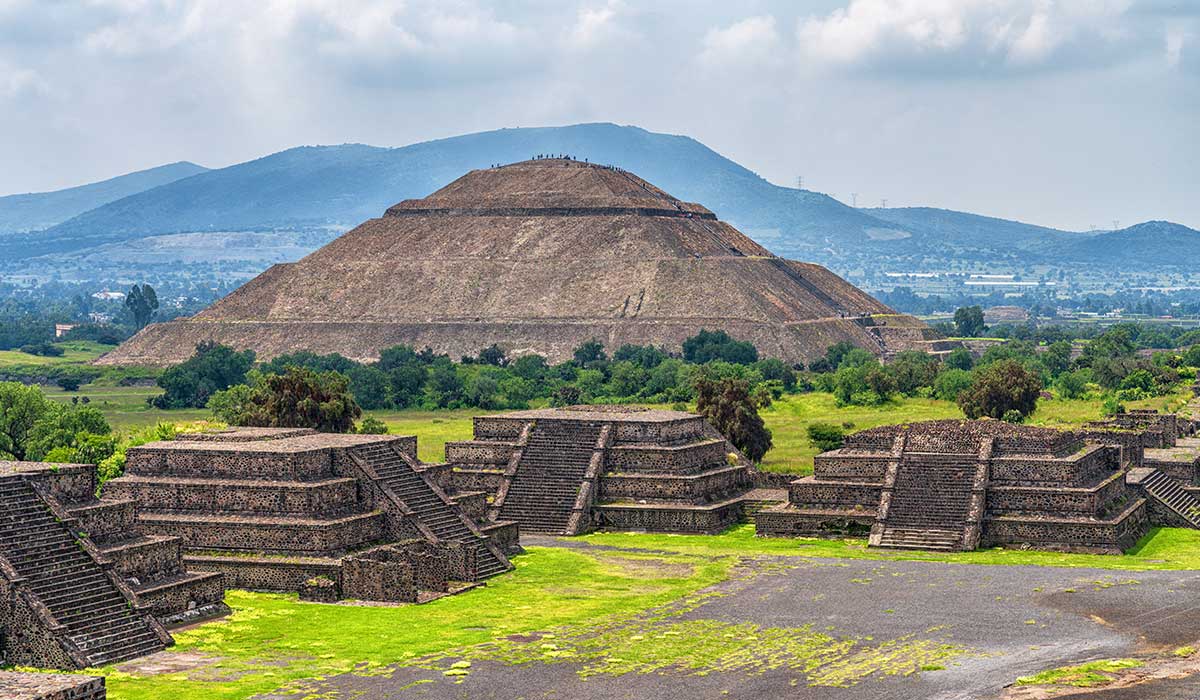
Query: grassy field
788 419
75 352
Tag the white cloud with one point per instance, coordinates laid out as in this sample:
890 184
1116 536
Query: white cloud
750 41
595 24
955 35
1177 36
19 82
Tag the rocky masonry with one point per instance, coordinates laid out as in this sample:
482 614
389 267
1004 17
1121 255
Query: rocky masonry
294 510
80 584
50 686
538 257
568 471
959 485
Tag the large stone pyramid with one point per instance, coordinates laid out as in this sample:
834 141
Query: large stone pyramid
536 256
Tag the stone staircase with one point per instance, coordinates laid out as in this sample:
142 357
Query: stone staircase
930 502
430 506
1171 494
551 472
96 616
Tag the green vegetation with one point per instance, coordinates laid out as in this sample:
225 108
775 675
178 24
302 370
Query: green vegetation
1089 675
1161 549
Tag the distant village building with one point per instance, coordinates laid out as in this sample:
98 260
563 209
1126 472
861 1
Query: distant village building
61 329
1005 314
109 296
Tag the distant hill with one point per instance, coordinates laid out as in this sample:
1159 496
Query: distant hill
318 191
340 186
33 212
1153 243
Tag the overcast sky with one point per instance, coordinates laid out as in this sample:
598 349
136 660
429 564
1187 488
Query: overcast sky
1069 113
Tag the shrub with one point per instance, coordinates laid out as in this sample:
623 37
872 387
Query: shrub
372 426
1001 387
300 398
211 369
825 436
1071 385
707 346
729 407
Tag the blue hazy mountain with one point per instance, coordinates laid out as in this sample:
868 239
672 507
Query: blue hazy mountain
331 188
1148 244
41 210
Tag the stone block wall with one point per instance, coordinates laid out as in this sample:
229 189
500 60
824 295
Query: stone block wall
840 465
653 458
810 492
330 496
704 487
50 686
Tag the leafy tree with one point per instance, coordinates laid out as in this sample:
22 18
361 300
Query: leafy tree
826 436
1191 358
590 353
1057 358
968 322
532 368
950 383
960 358
707 346
999 388
912 370
833 357
728 406
774 369
482 391
444 387
371 387
231 404
493 355
1071 385
21 407
142 302
211 369
628 379
647 356
63 426
300 398
566 395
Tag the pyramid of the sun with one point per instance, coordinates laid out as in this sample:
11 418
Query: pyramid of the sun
537 256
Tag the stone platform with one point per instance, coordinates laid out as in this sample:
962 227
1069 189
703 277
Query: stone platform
295 510
571 470
959 485
50 686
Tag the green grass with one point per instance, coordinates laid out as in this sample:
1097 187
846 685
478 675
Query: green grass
76 352
125 407
271 641
432 428
1160 549
1089 675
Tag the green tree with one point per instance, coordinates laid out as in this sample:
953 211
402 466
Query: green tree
142 302
912 370
211 369
707 346
728 406
950 383
65 427
999 388
589 354
960 358
1071 385
826 436
300 398
1057 357
968 322
21 407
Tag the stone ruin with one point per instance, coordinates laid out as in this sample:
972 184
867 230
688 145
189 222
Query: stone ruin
959 485
81 583
537 257
316 513
570 470
50 686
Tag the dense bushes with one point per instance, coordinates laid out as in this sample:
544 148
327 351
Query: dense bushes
298 397
34 428
213 368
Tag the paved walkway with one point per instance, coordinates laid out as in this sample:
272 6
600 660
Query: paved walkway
1015 620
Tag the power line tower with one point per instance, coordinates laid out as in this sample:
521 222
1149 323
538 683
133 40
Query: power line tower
883 203
1116 224
854 198
799 182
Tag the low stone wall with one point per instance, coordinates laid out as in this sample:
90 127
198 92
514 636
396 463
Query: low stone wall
326 497
474 504
713 485
655 458
498 427
658 432
1075 471
281 536
50 686
277 575
839 466
146 559
702 520
479 453
188 600
107 519
1053 499
506 535
215 464
489 480
787 522
813 493
1111 536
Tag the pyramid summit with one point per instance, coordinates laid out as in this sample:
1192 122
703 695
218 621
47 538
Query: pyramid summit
537 257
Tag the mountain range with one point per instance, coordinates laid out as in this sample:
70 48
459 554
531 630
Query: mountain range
331 188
